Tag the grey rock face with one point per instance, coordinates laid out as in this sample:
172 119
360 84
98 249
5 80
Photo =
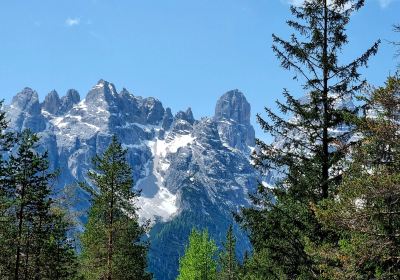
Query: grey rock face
101 95
24 111
232 113
186 116
233 106
152 110
211 181
54 105
27 100
167 119
52 102
191 172
69 100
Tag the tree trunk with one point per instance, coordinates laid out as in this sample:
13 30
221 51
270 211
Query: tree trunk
28 244
20 221
38 252
110 232
325 104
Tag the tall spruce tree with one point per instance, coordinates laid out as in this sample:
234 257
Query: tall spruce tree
28 179
7 140
59 253
199 261
111 242
229 267
367 207
29 215
312 142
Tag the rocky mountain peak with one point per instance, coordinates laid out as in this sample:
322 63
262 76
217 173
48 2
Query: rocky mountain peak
106 85
72 95
167 119
124 93
56 106
27 100
153 110
69 100
102 92
51 102
186 116
233 106
25 111
232 113
190 171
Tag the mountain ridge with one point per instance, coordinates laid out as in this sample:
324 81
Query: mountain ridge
192 173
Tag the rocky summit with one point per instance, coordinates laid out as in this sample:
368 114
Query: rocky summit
191 173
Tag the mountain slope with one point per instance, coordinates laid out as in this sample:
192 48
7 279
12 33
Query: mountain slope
192 173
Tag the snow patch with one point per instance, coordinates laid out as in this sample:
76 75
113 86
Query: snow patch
157 202
81 105
266 185
164 147
161 204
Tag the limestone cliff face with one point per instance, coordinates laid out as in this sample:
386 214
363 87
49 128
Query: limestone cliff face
232 114
192 173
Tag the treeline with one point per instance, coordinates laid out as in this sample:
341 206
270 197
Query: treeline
36 232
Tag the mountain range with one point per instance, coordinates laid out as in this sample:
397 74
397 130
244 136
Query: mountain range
191 173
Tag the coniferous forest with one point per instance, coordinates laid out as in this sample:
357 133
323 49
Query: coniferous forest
332 212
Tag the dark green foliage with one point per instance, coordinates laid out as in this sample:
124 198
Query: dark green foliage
278 238
111 243
7 141
7 232
60 256
7 138
199 261
367 208
309 157
30 192
32 226
229 267
166 238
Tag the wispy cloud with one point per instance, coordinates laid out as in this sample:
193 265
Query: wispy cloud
72 21
385 3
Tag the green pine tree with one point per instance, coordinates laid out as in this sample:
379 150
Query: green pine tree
112 246
30 216
367 208
198 262
7 141
309 160
229 267
59 250
29 181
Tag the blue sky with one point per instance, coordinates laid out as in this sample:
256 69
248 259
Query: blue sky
184 52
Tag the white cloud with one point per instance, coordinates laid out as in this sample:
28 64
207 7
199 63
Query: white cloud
385 3
72 21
